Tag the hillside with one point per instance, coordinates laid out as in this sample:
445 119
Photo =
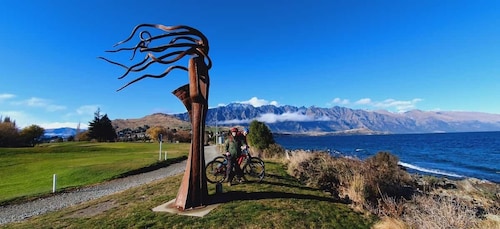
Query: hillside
156 119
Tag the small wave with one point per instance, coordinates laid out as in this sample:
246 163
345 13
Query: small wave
434 171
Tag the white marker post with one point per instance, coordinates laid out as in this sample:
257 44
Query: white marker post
54 183
160 139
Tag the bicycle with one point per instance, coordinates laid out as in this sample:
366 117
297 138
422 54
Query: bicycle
253 168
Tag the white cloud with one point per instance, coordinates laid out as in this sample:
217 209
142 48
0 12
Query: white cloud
87 110
338 101
235 121
390 104
364 101
23 119
6 96
273 118
256 102
399 105
39 102
18 116
288 116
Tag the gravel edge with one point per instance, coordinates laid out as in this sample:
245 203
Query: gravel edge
23 211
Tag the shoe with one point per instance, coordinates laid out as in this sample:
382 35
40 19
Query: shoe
242 179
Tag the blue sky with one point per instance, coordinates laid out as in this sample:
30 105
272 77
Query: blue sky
393 55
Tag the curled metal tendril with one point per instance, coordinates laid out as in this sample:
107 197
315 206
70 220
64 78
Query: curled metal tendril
185 41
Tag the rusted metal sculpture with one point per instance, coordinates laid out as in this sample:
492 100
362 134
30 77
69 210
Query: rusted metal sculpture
182 41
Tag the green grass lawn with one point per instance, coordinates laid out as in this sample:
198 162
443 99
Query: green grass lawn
28 172
280 201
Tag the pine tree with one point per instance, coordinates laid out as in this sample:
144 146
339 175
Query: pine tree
101 128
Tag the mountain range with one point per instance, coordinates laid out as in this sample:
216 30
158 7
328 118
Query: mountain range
63 132
342 120
319 121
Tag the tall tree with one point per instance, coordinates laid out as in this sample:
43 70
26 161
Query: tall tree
31 135
9 134
101 128
155 131
260 136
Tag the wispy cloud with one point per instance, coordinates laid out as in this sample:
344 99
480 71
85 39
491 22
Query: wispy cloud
338 101
14 115
288 116
274 118
256 102
388 104
364 101
42 103
6 96
87 109
398 105
235 121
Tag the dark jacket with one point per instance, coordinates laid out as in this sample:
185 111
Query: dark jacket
233 146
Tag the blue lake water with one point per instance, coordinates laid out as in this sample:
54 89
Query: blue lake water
454 155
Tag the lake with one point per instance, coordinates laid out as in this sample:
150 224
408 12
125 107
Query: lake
453 155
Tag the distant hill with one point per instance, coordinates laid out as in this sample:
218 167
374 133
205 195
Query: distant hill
157 119
59 132
341 120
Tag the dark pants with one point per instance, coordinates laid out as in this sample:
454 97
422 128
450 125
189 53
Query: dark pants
232 163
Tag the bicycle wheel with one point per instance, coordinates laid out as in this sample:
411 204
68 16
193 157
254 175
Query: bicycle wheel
219 158
254 170
215 171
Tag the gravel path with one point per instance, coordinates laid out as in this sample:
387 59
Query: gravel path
19 212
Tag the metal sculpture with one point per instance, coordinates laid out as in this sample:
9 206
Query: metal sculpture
184 41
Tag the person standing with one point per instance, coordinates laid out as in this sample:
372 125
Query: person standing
233 151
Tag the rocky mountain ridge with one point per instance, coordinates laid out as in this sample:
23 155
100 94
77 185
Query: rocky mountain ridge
341 120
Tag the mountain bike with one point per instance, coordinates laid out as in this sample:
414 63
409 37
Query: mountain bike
253 168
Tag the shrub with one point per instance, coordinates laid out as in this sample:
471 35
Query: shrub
380 186
273 151
385 177
339 176
439 212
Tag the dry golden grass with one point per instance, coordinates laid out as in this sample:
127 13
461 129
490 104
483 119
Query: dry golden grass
390 223
377 184
428 212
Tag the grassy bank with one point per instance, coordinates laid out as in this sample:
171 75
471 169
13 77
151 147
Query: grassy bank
28 172
279 202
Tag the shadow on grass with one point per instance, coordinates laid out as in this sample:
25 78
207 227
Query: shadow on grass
152 167
287 179
240 195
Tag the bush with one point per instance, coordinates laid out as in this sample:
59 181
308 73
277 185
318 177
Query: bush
273 151
385 177
439 212
339 176
380 186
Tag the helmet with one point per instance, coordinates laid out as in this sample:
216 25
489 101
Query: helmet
234 129
246 130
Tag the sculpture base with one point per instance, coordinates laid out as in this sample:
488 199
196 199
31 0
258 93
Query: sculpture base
198 211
